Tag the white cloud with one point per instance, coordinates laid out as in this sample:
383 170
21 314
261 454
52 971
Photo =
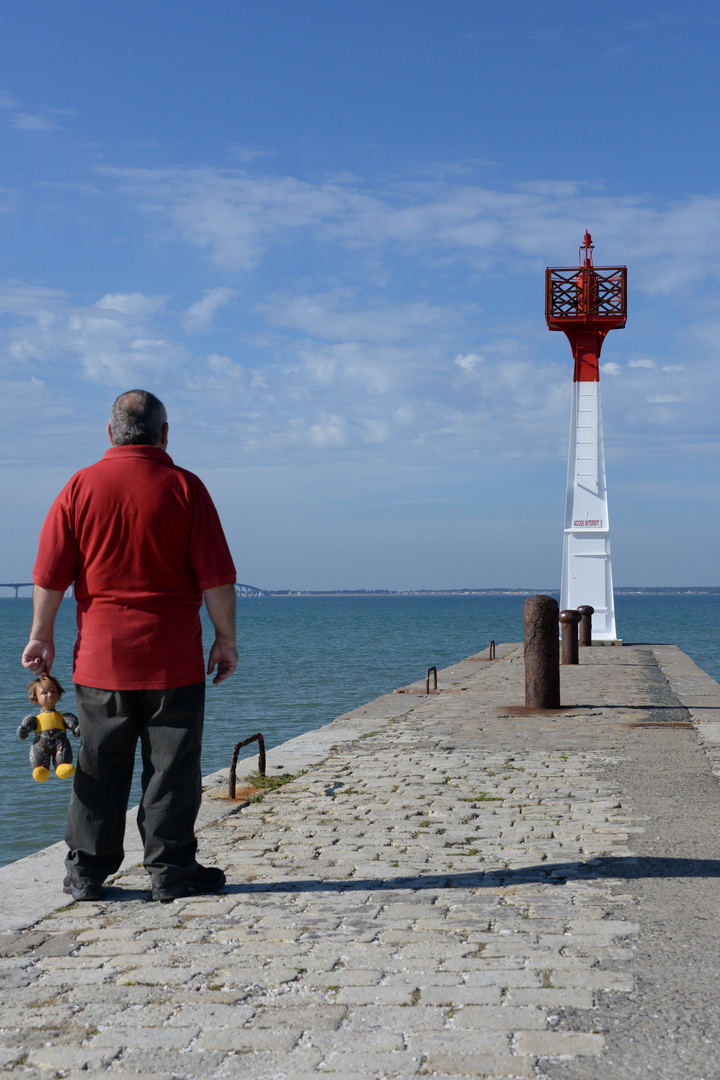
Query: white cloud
37 301
200 314
148 343
611 368
113 341
342 315
469 362
32 122
329 433
641 363
24 120
8 200
136 303
219 374
247 154
232 215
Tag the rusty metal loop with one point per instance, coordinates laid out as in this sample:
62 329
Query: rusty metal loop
427 681
232 779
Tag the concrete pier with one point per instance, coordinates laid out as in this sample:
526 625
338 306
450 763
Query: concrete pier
455 886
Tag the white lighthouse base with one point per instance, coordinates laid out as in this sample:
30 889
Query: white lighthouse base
586 568
587 579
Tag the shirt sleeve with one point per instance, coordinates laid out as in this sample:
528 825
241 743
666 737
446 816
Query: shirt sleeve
209 552
56 565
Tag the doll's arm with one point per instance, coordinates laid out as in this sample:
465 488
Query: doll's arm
71 722
29 724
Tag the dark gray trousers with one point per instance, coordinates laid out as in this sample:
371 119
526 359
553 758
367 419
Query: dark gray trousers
169 725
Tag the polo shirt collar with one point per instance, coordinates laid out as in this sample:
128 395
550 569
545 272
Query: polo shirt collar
149 453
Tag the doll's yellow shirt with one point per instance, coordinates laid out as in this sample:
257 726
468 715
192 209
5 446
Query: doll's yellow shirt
48 721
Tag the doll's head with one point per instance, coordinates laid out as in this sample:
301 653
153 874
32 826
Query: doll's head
45 691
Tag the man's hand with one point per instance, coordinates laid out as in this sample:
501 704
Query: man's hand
38 655
220 604
39 652
225 657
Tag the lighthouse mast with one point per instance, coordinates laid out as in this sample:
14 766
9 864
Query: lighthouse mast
586 302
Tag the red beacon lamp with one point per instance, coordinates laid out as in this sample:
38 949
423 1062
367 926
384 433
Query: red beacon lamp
586 302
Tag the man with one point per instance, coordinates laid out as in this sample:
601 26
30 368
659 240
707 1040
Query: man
143 543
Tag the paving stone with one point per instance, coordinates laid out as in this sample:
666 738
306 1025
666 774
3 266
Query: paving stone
375 995
489 1066
372 1062
144 1036
552 997
558 1043
594 979
459 1042
245 1040
59 1058
267 1065
302 1017
454 996
395 1018
175 1063
207 1015
502 1018
353 1041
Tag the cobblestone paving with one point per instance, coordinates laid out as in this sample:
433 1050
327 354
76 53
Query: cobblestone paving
420 904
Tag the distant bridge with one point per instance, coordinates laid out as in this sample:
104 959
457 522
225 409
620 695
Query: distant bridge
16 585
240 589
248 590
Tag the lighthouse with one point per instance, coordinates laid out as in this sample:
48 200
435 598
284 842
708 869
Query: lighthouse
585 302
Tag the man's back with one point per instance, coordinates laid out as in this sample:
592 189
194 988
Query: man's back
142 541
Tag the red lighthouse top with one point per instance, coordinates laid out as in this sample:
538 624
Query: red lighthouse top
585 302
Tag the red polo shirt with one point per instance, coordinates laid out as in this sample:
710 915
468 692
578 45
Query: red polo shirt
142 540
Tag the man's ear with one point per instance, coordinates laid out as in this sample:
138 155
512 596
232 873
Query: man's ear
110 435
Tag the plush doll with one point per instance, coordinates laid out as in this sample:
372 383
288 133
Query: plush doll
51 745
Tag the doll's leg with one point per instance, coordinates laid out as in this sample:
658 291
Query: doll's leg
63 757
40 761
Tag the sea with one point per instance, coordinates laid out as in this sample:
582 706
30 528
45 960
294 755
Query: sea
303 661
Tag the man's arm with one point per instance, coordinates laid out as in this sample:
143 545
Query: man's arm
39 652
220 603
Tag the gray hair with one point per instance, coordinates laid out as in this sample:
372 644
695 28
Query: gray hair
137 418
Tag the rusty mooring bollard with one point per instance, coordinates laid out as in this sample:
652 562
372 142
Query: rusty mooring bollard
569 621
585 632
542 653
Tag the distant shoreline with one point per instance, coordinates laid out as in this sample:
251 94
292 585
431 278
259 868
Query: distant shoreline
627 590
700 590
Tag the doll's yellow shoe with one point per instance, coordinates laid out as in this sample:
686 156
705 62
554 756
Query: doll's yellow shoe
65 771
41 774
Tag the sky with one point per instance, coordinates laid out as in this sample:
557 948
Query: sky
318 230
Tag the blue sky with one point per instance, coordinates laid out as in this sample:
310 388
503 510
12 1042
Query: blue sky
318 230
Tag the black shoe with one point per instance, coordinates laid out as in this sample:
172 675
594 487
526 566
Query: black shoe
82 889
204 879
